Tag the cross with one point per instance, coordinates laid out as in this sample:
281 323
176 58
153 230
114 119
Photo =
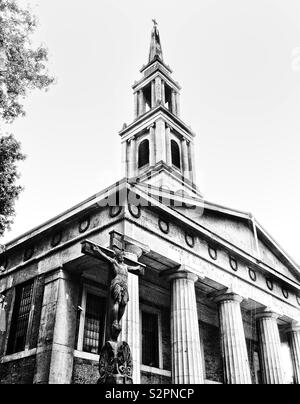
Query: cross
119 267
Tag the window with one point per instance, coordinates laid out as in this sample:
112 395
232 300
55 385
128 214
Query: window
151 339
175 154
20 318
143 158
92 322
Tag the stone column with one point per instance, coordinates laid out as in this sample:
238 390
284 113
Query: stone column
233 342
132 158
192 162
153 98
173 102
187 362
131 326
160 140
55 351
185 158
177 100
270 347
163 93
142 103
168 146
136 105
152 145
124 158
294 339
158 92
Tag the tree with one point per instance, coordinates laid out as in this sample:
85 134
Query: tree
10 154
23 68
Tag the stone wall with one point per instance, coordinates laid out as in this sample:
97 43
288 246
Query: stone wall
151 378
85 371
210 337
18 372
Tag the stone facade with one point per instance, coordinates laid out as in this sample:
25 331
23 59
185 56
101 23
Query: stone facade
218 291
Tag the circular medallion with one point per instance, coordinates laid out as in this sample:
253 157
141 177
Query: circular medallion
56 239
234 264
270 284
28 253
84 225
285 293
190 240
164 226
213 253
135 210
252 275
114 211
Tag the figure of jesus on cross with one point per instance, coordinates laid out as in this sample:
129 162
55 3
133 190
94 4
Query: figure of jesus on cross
118 286
118 282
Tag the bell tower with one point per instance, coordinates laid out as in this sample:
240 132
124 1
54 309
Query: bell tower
158 147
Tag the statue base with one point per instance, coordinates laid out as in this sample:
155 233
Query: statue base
115 365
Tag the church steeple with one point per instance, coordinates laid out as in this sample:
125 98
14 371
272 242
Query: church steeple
158 147
155 46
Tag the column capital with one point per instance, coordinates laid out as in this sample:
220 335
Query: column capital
293 327
266 313
226 295
180 273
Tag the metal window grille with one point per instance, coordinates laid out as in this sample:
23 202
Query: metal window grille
20 319
94 324
150 344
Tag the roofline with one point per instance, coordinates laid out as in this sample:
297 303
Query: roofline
159 108
56 220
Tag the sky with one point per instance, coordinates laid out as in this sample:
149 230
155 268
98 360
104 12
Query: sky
238 62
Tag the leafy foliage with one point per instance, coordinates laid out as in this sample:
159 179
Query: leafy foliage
10 154
23 68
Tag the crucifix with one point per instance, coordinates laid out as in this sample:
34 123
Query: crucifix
115 358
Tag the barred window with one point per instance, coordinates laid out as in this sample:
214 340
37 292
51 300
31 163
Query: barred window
150 339
94 323
20 318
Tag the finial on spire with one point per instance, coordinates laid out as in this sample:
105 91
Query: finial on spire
155 47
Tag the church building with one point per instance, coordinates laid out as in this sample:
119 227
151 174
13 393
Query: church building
217 302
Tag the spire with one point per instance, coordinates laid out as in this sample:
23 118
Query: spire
155 46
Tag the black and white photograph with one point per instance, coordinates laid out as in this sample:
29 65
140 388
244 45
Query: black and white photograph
149 195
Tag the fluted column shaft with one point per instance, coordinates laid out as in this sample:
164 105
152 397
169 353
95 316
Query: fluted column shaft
152 145
131 158
136 105
177 100
233 342
131 326
158 91
142 103
270 348
173 102
168 146
185 159
294 339
187 362
153 95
